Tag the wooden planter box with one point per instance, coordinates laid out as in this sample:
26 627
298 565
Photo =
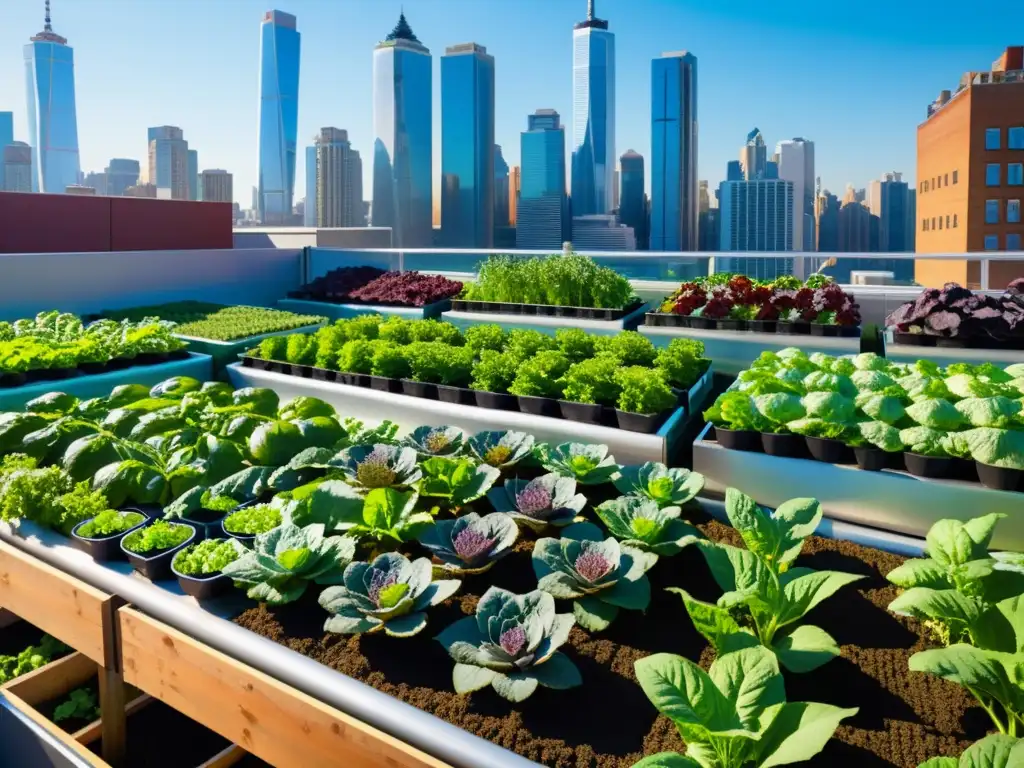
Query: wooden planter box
58 679
267 718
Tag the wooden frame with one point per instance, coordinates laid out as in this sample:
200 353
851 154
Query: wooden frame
273 721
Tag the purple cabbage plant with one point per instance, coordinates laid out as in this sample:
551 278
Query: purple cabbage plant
956 312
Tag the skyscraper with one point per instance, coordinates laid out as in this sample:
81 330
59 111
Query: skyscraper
339 181
632 208
796 164
309 206
514 177
216 186
121 174
16 170
52 121
502 208
6 129
754 157
467 146
826 217
593 115
541 215
168 162
403 136
279 113
97 180
193 175
674 152
756 215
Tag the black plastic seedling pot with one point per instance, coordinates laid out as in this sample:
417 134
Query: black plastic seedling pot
872 459
457 395
787 445
419 389
206 522
157 565
1000 478
829 451
202 587
498 401
738 439
246 539
585 413
928 466
644 423
539 406
108 547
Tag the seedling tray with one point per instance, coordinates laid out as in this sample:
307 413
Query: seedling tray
671 320
548 324
224 352
889 499
898 350
548 310
345 311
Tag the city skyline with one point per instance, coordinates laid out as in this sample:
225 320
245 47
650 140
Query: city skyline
853 142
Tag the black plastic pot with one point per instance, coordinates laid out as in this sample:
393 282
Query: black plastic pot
419 389
497 401
276 366
872 459
207 523
120 363
914 339
295 369
965 469
762 326
1000 478
585 413
152 511
539 406
703 323
793 329
151 358
457 395
667 320
384 384
202 587
644 423
324 374
738 439
8 380
829 451
788 445
156 565
108 547
731 324
352 379
256 363
245 538
928 466
821 329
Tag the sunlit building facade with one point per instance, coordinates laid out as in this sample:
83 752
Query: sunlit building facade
674 202
467 147
402 138
632 206
52 120
502 206
169 162
279 114
339 181
542 212
593 116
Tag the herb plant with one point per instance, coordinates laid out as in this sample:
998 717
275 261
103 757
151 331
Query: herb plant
252 521
207 557
391 593
735 715
109 523
511 644
158 536
217 321
760 584
80 705
31 658
599 575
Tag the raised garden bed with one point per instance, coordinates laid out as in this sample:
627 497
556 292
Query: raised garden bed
545 323
899 350
346 311
547 310
669 320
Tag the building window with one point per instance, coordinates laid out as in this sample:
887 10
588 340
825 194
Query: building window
1015 138
945 180
933 222
1015 174
947 221
924 225
955 225
1013 211
991 211
956 176
992 137
940 222
1013 242
992 174
991 242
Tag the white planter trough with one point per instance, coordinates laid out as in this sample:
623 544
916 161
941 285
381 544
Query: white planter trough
99 384
888 500
346 311
224 352
911 353
410 412
734 351
547 323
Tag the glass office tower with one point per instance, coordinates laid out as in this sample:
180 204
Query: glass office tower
542 211
402 138
593 116
309 207
279 114
467 147
674 152
52 121
632 206
6 129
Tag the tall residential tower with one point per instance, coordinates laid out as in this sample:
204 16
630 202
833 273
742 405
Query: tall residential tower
593 116
796 164
339 181
674 152
279 116
467 147
52 121
402 138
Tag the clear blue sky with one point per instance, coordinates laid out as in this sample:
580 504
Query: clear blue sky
853 77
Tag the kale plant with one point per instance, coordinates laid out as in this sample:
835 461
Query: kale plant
470 544
586 463
436 441
640 523
458 481
379 466
501 449
547 500
667 487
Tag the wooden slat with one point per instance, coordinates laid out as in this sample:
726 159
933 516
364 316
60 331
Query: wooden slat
69 609
94 730
58 678
271 720
225 758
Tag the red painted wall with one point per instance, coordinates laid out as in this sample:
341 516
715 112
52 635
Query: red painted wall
33 223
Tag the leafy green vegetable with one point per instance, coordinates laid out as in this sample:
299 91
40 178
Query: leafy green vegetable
157 536
458 481
642 524
108 523
501 449
735 715
594 380
379 466
31 658
391 593
470 544
384 514
207 557
547 500
541 375
436 441
254 520
588 464
994 751
663 485
80 705
511 644
644 391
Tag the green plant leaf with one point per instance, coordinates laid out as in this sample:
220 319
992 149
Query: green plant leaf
995 751
686 694
799 731
467 678
514 686
593 614
667 760
805 648
558 672
981 670
805 592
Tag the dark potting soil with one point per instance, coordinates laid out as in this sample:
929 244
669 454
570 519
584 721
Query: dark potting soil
72 724
904 718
